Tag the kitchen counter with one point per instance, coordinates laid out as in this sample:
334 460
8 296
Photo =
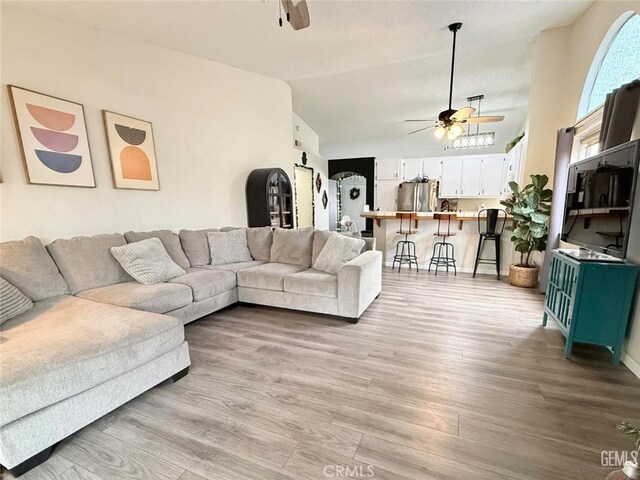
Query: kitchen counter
465 239
420 216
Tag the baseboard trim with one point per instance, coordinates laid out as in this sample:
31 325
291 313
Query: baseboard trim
631 364
481 271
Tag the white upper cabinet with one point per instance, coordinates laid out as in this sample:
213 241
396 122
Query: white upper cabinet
471 183
431 167
451 174
492 180
387 169
411 168
386 194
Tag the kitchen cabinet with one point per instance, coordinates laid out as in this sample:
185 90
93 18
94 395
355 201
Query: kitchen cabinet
386 194
388 169
492 178
411 168
451 175
431 167
470 182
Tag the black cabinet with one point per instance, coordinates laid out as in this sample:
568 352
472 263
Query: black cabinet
269 202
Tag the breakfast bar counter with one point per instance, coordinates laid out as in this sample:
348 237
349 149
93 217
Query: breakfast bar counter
419 216
465 226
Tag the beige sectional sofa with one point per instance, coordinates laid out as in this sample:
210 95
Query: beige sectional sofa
96 338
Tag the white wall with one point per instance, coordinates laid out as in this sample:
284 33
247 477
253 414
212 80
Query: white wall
304 134
310 144
562 62
212 123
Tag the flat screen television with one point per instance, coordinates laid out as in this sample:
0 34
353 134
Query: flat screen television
600 197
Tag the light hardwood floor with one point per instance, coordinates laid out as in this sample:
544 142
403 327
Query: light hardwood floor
443 378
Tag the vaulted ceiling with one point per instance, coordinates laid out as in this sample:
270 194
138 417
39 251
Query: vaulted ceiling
363 66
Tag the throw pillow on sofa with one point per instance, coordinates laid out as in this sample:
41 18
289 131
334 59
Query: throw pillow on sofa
259 240
170 240
229 247
12 301
292 246
147 261
196 246
337 251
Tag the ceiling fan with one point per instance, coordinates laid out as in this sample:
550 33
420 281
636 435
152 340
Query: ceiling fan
296 13
451 122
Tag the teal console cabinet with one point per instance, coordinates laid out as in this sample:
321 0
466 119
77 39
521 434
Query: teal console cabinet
590 301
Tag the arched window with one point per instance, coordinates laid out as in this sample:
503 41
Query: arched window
617 61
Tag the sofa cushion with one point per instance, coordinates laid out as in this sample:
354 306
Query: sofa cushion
268 276
337 251
312 282
26 265
86 262
196 246
66 345
206 283
320 237
147 261
170 240
229 247
235 267
12 301
157 298
292 246
260 240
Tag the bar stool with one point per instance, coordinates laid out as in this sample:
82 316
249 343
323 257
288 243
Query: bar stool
493 230
438 258
409 256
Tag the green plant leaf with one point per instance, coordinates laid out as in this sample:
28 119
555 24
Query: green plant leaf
523 210
546 194
540 217
514 187
538 231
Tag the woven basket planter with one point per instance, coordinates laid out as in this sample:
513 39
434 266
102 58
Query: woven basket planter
523 276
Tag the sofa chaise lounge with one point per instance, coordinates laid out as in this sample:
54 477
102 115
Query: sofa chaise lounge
95 338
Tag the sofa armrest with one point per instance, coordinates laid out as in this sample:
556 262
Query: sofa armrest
359 283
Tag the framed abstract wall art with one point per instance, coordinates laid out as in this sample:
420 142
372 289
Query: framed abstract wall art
52 134
132 152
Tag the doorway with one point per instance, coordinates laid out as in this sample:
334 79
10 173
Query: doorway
303 184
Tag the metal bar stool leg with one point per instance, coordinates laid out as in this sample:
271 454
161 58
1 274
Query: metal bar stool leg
453 259
415 257
497 240
475 267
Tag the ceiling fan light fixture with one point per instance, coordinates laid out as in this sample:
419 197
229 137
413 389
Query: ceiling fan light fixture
451 135
439 132
456 128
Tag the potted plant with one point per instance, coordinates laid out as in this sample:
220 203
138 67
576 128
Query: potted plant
530 207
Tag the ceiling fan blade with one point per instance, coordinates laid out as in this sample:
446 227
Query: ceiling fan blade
297 13
463 113
430 120
497 118
421 129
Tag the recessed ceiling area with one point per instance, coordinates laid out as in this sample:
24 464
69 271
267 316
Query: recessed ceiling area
362 67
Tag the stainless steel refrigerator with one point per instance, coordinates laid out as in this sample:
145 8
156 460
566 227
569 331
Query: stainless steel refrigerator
418 196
